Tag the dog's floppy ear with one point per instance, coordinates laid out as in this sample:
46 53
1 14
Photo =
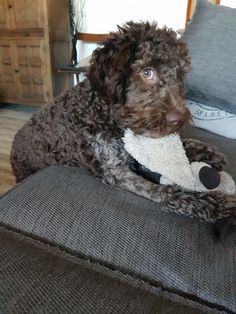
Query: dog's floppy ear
184 60
110 66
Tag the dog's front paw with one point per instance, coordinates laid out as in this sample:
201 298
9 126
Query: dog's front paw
224 225
210 206
227 221
216 159
199 151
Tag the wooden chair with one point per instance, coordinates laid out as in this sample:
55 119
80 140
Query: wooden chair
71 70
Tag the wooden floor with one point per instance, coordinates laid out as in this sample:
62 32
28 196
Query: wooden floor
12 118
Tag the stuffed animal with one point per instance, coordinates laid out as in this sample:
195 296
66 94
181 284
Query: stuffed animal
164 161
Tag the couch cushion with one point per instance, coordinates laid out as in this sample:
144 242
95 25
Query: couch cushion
211 40
39 279
73 210
213 119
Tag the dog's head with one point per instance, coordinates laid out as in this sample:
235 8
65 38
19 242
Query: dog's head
139 71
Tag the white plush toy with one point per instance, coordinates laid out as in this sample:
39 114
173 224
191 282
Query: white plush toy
166 156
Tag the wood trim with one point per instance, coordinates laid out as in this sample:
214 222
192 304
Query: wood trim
32 103
188 12
95 38
23 33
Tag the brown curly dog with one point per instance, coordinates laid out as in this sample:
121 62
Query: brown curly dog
135 81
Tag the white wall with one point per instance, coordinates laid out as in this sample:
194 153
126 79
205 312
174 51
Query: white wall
228 3
102 16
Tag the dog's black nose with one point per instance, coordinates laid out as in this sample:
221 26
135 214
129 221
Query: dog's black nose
174 118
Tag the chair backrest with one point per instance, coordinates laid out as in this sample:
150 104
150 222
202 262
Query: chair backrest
92 38
88 38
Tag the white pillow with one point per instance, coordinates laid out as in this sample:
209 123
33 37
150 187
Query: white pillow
213 119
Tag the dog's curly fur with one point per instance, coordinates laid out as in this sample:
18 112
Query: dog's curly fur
135 81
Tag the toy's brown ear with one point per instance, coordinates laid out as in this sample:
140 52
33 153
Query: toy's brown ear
110 67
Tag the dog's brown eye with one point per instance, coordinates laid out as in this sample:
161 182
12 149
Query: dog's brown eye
148 74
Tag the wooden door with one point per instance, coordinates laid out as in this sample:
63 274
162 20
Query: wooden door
8 83
3 14
27 13
33 75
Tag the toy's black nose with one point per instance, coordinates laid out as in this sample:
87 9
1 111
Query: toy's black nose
209 177
174 118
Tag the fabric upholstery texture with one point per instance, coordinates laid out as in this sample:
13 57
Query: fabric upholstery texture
73 210
211 40
37 278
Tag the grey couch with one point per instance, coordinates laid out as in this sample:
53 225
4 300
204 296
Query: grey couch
70 244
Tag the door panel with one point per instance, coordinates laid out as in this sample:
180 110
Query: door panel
29 59
27 13
3 14
8 84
